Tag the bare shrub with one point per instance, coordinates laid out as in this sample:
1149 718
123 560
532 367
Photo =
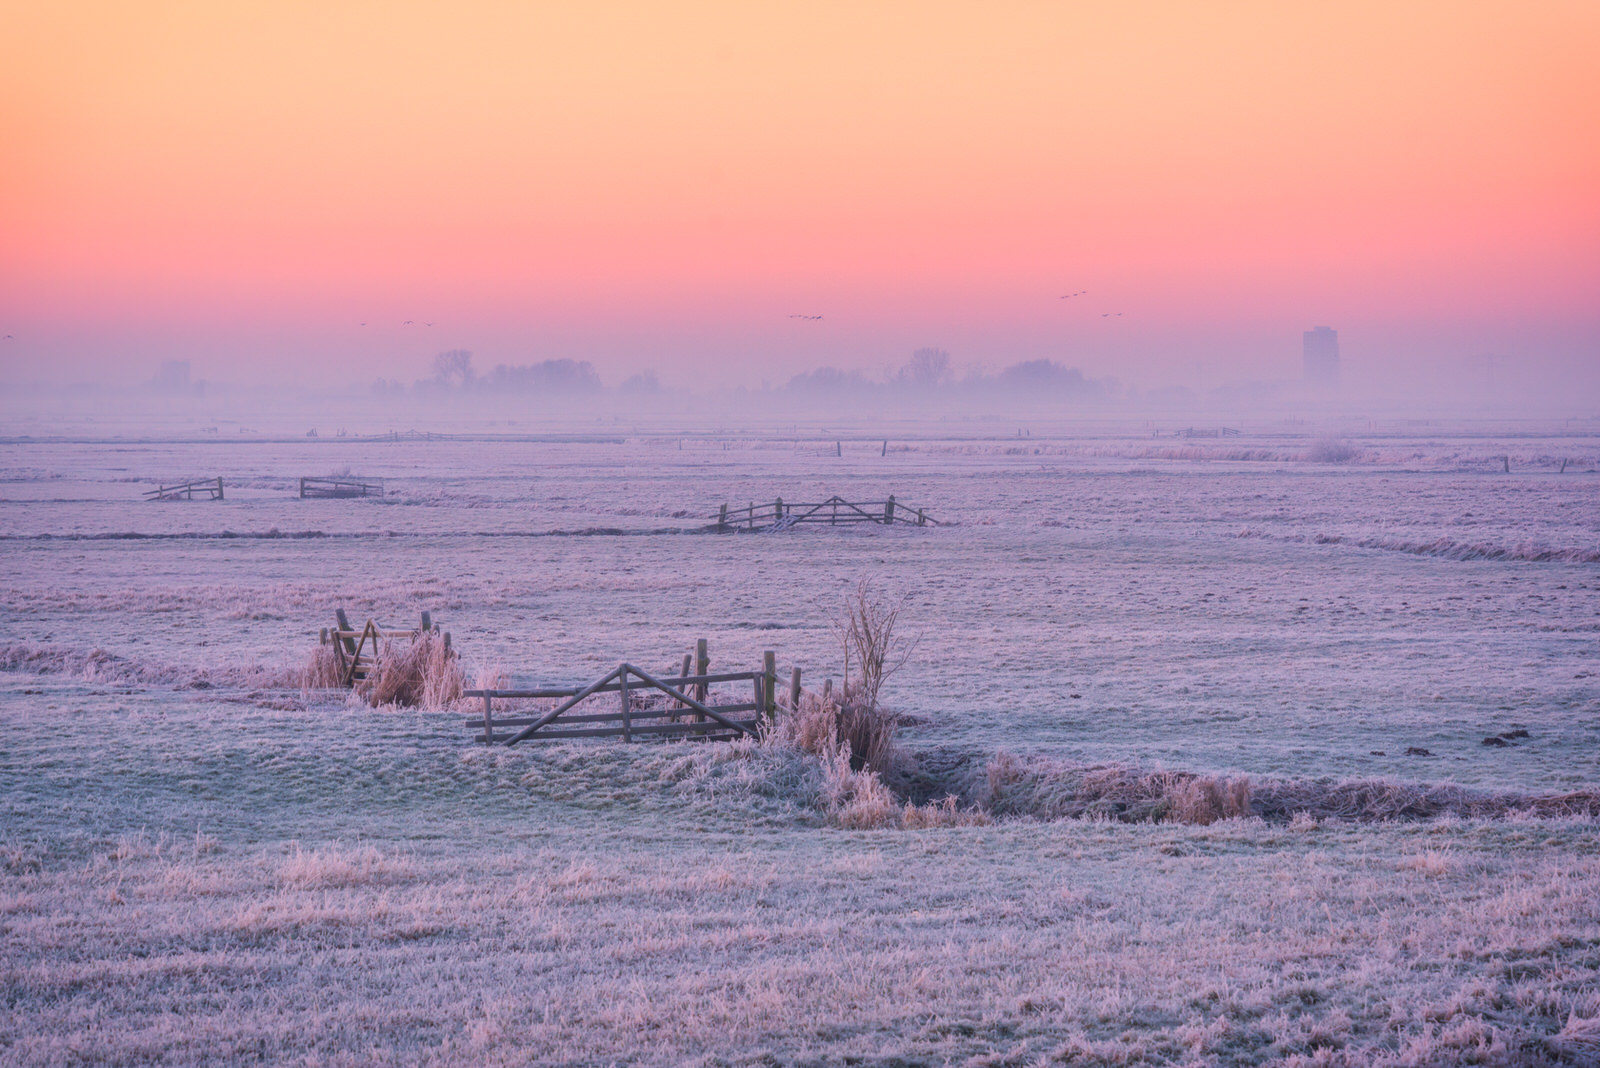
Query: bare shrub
867 628
424 674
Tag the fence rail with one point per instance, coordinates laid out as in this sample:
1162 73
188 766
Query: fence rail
834 511
341 487
209 488
648 705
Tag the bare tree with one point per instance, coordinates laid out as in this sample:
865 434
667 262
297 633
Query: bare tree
454 368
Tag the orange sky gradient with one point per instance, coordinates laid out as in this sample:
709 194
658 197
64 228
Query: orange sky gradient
660 186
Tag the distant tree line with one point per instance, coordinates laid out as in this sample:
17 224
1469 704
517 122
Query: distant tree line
928 373
453 373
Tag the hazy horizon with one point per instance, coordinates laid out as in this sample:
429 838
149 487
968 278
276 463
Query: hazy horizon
729 197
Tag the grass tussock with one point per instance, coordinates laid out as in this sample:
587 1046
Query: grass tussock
322 669
851 744
825 724
423 674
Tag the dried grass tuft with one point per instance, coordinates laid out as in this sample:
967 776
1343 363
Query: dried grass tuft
824 723
322 669
424 674
854 744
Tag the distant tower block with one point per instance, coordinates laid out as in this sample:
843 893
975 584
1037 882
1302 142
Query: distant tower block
1321 353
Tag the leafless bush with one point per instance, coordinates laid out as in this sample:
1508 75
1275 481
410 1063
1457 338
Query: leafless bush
867 628
424 674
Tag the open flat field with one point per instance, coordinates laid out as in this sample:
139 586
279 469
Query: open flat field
204 864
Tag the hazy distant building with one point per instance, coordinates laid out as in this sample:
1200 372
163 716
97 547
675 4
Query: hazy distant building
1320 350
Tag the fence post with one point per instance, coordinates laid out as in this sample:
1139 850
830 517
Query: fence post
921 520
219 487
750 517
427 621
488 719
794 691
722 519
322 636
888 511
344 624
769 683
778 511
702 666
627 720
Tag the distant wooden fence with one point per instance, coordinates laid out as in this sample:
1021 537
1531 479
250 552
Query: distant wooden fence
695 706
341 487
833 512
1200 432
357 650
209 488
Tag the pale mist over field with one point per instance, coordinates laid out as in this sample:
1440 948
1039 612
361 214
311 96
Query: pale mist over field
895 534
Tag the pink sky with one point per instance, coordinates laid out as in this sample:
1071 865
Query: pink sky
661 186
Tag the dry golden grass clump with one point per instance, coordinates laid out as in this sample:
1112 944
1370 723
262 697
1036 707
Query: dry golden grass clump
425 674
322 669
823 724
854 742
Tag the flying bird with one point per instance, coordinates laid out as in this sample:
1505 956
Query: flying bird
407 323
1069 296
805 316
8 337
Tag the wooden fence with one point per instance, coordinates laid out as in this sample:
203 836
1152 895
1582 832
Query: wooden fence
696 706
341 487
209 488
357 650
833 512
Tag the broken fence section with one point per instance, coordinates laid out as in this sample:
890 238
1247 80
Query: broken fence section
834 511
357 650
341 487
206 488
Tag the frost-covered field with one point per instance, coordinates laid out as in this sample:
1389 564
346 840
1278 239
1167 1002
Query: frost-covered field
202 864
